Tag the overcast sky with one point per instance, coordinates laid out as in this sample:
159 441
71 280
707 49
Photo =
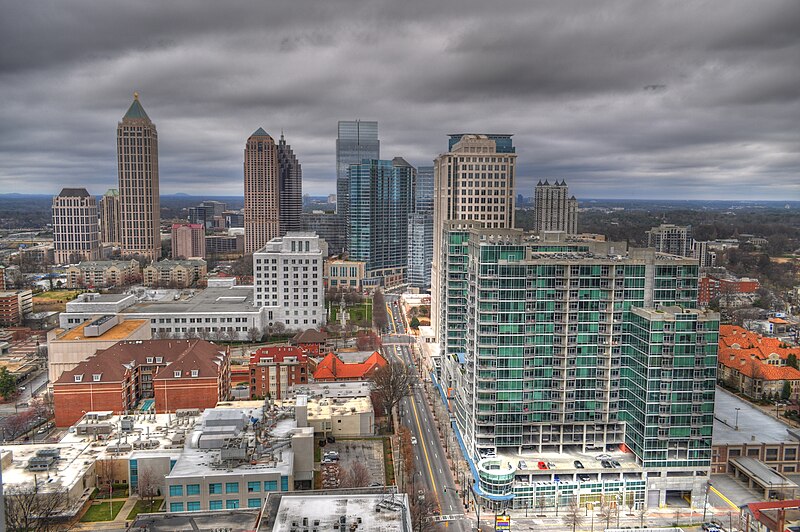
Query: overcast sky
623 99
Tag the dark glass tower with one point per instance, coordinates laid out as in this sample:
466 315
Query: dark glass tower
290 182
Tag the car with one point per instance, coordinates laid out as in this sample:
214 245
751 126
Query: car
413 440
584 478
551 465
22 388
578 464
330 439
712 526
375 484
601 457
606 464
326 461
541 465
41 431
522 465
420 495
615 463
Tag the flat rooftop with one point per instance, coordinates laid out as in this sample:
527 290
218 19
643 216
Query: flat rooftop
754 426
333 389
328 509
565 462
73 462
236 299
227 520
118 332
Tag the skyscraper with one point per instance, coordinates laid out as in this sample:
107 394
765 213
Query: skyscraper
109 217
558 349
423 190
261 201
555 210
140 204
188 241
472 182
420 230
669 238
75 230
380 203
290 179
357 141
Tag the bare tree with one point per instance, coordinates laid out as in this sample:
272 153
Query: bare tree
573 516
31 508
379 314
218 334
149 485
104 469
605 513
231 334
541 504
162 334
254 334
391 384
422 507
358 476
641 513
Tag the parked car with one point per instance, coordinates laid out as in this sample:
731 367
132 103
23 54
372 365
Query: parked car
606 464
541 465
522 465
615 463
330 439
601 457
413 440
551 465
584 478
578 464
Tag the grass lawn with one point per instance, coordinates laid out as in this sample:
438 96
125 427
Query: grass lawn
58 296
144 507
388 463
98 511
362 312
120 491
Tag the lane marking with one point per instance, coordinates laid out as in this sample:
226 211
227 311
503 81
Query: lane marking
425 451
723 497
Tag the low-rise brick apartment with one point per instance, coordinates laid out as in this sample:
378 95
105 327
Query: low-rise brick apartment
273 370
174 374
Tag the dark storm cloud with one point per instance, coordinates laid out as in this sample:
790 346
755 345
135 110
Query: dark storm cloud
621 99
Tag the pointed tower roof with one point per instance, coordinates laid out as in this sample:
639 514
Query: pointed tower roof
136 110
260 133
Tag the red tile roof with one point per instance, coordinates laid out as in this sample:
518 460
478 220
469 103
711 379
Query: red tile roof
278 353
753 367
734 337
331 367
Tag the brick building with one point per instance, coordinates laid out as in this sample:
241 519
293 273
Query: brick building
333 368
175 374
712 286
103 274
311 341
14 305
188 240
174 273
273 370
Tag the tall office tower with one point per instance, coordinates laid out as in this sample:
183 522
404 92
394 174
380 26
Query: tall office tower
669 238
553 350
380 202
76 234
423 190
473 181
420 249
188 241
357 141
207 213
139 200
554 208
329 227
109 217
703 253
290 179
261 201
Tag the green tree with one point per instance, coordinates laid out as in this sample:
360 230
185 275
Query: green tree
791 360
414 323
8 384
787 390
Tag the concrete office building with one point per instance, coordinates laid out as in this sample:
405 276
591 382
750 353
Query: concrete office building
109 217
329 226
473 181
76 234
554 208
669 238
140 203
554 350
210 213
188 241
420 249
261 193
290 182
380 203
288 284
357 141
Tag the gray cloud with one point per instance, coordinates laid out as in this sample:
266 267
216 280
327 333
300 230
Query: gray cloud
620 98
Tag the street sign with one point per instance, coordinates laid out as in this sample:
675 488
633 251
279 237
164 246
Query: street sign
502 523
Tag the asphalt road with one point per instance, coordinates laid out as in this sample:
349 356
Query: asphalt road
433 475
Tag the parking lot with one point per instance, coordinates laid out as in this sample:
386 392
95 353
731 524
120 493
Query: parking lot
367 452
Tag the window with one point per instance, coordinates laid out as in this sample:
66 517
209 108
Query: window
215 489
231 504
159 360
270 485
96 377
149 360
193 506
176 491
215 505
176 373
284 483
192 489
253 487
176 507
78 378
254 503
231 487
195 373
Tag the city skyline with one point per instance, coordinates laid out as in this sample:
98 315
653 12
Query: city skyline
695 102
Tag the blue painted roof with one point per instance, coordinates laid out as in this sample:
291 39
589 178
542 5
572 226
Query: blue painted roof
260 133
136 110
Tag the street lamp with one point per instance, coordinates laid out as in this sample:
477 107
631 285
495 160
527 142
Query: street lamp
736 423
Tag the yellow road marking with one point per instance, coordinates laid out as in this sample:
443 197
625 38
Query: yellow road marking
425 449
389 313
723 497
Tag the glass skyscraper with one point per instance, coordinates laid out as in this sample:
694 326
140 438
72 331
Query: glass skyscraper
357 141
380 204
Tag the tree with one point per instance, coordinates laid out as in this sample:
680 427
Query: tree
380 316
19 423
8 384
791 360
391 384
422 507
368 340
573 515
254 334
148 487
244 266
787 391
414 323
357 477
605 513
33 508
541 504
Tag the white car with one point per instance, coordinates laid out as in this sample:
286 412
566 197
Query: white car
413 440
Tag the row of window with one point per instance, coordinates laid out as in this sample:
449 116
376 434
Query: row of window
177 490
230 504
